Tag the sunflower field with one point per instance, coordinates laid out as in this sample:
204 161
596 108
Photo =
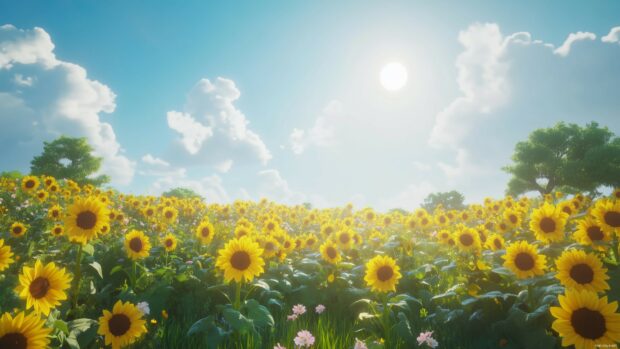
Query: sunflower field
84 267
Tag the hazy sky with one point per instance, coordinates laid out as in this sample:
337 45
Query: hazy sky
282 99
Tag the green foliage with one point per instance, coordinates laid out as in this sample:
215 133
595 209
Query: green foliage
69 158
566 157
11 174
181 193
452 200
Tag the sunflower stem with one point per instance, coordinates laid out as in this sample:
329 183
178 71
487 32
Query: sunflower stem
614 248
237 304
78 278
385 319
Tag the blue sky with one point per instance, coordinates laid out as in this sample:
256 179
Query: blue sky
482 75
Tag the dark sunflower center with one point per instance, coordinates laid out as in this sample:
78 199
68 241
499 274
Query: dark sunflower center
344 238
14 340
331 252
270 226
168 214
524 261
497 243
287 244
582 273
240 260
119 324
17 230
310 242
466 239
612 218
567 209
205 232
617 194
29 183
57 231
169 243
385 273
149 212
135 244
442 219
588 323
513 219
270 246
39 287
547 225
424 221
595 233
328 230
86 220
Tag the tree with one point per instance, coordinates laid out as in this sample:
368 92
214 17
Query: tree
565 157
452 200
69 158
181 193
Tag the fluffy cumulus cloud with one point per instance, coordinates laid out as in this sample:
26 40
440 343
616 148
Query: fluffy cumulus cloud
212 130
612 36
43 97
408 199
513 84
211 188
322 133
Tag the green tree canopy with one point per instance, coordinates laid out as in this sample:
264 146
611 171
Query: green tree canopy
69 158
452 200
565 157
181 193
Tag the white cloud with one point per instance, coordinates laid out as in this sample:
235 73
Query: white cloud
19 79
612 36
210 187
512 85
564 50
409 198
322 133
224 166
212 129
481 79
272 186
420 166
151 160
193 133
64 101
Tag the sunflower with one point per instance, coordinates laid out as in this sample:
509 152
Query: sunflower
85 218
42 195
169 242
523 259
382 274
243 230
43 286
443 236
607 213
330 253
581 271
169 215
270 246
586 321
288 244
122 326
344 239
137 245
547 223
512 218
270 225
467 240
54 213
495 242
589 232
30 183
57 230
240 259
18 229
23 331
205 232
5 255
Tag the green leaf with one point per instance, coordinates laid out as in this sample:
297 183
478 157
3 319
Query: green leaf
116 269
61 326
97 267
89 249
237 320
259 314
365 316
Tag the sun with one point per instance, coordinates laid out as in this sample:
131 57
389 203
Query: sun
393 76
